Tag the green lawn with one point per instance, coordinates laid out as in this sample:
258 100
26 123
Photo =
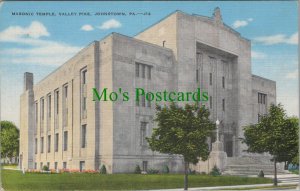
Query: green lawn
15 180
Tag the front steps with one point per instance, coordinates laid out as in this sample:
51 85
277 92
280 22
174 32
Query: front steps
251 165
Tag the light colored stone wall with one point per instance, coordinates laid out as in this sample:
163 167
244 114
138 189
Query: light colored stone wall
128 152
69 74
265 86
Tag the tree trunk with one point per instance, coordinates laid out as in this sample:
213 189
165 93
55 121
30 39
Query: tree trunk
275 173
186 173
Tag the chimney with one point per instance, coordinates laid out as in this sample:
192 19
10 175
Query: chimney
28 81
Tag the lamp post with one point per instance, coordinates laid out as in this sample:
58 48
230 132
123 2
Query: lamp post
217 125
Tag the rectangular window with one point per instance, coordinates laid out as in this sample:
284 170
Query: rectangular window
84 77
83 94
41 165
55 165
223 104
35 146
81 166
197 75
49 106
42 109
258 118
137 103
42 144
223 82
149 103
143 101
84 104
66 92
35 165
210 78
65 107
143 133
49 144
149 72
57 102
64 165
262 98
210 102
56 142
65 140
48 164
36 112
137 70
143 70
83 136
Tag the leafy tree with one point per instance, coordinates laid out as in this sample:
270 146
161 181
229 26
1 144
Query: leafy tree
9 139
182 131
275 134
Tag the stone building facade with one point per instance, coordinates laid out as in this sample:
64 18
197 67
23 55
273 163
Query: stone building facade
62 127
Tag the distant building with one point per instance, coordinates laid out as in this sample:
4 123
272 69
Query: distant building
63 128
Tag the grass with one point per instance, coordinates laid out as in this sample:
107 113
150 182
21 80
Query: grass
15 180
294 171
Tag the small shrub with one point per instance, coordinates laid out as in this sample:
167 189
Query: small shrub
261 174
165 169
103 170
137 170
203 173
215 171
192 171
45 168
152 171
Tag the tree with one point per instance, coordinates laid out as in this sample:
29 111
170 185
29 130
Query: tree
182 131
275 134
9 139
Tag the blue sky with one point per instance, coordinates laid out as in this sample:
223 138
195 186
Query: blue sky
40 44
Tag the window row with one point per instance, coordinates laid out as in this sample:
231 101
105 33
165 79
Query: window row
211 103
55 165
56 141
143 70
210 79
56 106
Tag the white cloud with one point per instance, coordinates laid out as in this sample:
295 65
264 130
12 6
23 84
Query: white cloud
34 50
241 23
278 39
292 75
258 55
110 24
35 30
87 28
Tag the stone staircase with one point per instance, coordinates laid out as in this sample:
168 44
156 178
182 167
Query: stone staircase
251 165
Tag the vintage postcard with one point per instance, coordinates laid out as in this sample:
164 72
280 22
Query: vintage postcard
149 95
